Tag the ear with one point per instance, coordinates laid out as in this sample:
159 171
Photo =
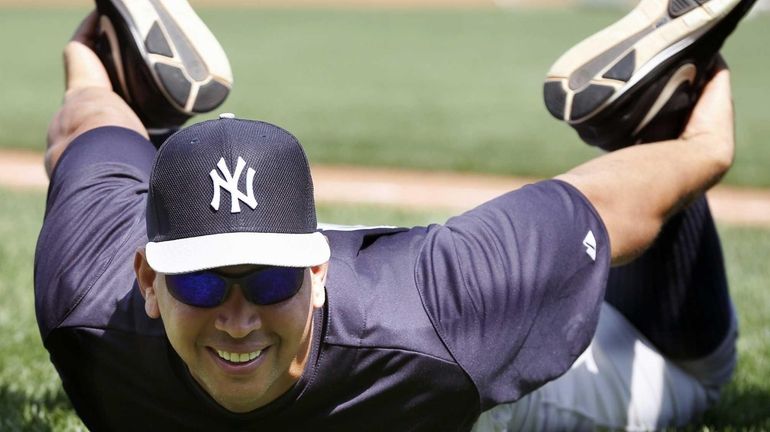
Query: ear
318 284
145 278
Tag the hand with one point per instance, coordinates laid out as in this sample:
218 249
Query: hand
635 189
89 101
712 124
82 66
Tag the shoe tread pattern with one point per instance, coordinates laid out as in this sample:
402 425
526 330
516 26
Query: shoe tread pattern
193 64
589 99
677 8
174 81
555 98
623 69
210 95
156 42
591 69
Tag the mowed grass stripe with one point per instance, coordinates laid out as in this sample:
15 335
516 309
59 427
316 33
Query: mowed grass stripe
449 90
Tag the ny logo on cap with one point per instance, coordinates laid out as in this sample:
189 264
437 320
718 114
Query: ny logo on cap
230 184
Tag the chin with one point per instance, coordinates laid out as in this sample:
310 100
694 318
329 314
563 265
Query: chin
238 400
239 406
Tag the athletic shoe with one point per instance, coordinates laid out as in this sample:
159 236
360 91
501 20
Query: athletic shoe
162 59
638 79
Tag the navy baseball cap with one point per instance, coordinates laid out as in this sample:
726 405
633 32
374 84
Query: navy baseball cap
232 191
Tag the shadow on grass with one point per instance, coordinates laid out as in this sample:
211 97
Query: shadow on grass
22 412
744 408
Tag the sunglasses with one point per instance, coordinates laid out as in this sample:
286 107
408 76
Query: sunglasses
208 288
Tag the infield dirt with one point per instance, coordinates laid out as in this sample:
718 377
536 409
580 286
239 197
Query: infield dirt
414 190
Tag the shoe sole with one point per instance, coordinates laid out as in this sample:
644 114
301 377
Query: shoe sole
634 51
184 59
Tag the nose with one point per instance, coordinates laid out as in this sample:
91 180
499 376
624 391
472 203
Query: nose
237 316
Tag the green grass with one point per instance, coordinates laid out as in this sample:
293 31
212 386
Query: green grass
455 90
746 403
31 397
30 392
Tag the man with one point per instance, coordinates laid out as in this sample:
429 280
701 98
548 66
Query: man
189 289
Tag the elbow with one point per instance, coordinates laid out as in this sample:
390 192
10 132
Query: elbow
629 240
632 224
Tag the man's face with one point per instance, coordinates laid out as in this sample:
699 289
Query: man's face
244 355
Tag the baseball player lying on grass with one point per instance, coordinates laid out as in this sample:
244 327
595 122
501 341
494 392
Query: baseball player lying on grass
189 288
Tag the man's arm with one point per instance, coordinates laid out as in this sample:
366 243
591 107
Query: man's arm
637 188
89 101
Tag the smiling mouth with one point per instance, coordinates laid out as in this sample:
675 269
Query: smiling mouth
238 358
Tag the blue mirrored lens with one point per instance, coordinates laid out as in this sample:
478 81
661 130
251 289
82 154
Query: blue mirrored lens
201 289
272 284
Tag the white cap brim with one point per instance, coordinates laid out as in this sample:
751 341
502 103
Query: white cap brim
220 250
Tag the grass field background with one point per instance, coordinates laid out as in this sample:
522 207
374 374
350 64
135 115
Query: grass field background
456 90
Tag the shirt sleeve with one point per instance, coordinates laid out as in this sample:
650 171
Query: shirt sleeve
514 287
95 206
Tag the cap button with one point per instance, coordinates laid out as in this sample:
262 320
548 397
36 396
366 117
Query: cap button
227 116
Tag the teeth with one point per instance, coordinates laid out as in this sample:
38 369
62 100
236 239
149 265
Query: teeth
238 357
